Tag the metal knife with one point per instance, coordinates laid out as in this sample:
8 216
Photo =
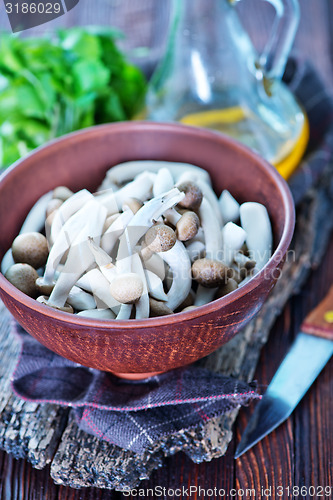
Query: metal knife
308 355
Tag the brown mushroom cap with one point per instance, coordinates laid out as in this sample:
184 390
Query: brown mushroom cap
209 272
30 248
158 308
62 193
230 286
44 288
23 277
43 299
133 204
127 288
187 226
193 195
160 238
52 206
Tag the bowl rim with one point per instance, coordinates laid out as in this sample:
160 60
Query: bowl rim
171 319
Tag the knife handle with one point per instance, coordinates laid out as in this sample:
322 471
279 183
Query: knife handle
320 321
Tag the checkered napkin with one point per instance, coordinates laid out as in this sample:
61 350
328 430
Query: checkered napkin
131 415
134 415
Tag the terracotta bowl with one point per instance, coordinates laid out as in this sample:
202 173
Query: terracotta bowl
156 344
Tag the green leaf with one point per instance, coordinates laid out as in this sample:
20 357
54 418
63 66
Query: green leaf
90 76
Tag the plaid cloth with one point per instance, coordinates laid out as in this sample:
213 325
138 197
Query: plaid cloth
131 415
134 415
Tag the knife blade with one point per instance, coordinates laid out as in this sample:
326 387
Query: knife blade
311 350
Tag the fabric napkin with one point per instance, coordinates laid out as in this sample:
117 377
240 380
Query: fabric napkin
129 414
134 415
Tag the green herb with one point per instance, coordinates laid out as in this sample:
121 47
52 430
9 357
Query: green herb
50 86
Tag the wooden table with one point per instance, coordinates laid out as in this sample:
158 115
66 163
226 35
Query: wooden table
300 452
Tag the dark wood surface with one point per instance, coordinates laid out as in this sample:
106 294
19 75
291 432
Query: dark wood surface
300 452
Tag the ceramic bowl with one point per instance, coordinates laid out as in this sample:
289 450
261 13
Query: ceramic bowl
157 344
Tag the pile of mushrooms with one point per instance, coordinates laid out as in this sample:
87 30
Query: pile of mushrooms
153 240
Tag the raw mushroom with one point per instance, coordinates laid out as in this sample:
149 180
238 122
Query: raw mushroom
193 195
90 217
115 230
229 207
158 308
163 181
144 219
127 288
23 277
233 238
62 193
140 188
180 266
124 172
67 209
43 299
30 248
210 273
80 300
259 240
97 314
187 227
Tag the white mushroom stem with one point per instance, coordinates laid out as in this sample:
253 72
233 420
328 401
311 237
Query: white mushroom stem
7 261
172 216
103 260
211 229
34 221
180 265
94 282
80 257
140 188
163 182
155 286
128 170
67 209
124 312
91 217
142 306
112 234
97 314
204 295
155 265
259 240
213 246
229 207
196 249
233 238
80 300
